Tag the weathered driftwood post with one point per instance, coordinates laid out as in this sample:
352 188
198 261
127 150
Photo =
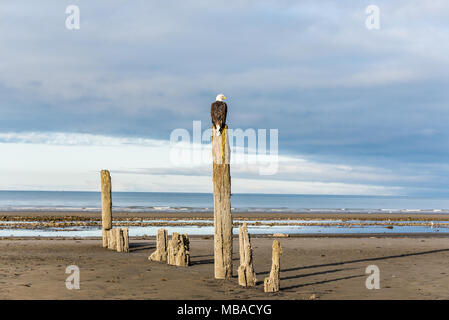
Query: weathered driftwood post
178 252
106 205
126 239
271 284
247 276
118 239
112 239
160 254
122 242
221 178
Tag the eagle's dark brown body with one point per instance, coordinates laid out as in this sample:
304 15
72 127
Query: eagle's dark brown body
218 112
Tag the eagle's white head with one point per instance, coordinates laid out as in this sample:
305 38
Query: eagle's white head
220 97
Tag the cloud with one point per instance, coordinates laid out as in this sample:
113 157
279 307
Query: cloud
337 92
73 161
74 139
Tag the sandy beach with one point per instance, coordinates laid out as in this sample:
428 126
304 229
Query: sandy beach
412 267
313 266
301 143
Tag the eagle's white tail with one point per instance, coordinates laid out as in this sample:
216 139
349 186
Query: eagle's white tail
218 131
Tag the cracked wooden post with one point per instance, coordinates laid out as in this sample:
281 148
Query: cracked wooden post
271 284
126 239
106 205
120 241
247 276
221 178
178 252
112 239
160 254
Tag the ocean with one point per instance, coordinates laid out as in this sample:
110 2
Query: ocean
203 202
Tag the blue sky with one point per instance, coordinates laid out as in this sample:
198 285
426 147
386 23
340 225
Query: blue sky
358 111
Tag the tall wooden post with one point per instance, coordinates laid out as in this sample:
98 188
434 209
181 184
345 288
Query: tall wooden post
221 178
106 204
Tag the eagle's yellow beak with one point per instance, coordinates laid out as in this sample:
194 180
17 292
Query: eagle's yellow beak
224 98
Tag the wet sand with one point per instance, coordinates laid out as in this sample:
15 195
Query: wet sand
411 267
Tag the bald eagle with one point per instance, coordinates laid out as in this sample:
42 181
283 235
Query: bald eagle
218 112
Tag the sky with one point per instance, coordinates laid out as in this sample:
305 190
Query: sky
357 110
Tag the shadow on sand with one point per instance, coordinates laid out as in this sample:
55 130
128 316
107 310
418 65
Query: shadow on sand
140 246
358 260
338 270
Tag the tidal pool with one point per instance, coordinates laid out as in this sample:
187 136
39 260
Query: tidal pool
354 227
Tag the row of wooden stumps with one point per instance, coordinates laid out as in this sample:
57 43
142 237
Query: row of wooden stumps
221 177
175 252
113 239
